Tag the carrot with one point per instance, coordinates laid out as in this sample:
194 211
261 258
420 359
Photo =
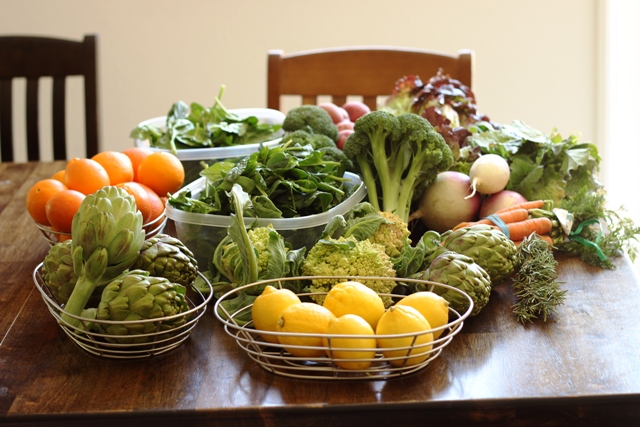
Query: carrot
520 230
544 237
514 215
533 204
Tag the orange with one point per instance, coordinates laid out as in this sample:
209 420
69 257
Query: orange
141 196
38 196
85 175
59 176
162 172
118 166
136 155
61 208
157 203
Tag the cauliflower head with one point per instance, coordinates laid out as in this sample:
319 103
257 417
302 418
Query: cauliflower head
348 257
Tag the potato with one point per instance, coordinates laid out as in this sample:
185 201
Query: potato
345 124
342 137
337 113
356 109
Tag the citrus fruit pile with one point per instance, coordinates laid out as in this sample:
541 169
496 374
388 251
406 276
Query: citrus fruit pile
149 176
403 333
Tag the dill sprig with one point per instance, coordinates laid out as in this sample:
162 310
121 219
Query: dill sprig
537 291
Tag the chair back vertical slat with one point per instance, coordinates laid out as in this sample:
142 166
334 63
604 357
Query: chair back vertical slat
6 121
33 120
59 119
91 103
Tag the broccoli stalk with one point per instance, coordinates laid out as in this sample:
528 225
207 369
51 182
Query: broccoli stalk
397 158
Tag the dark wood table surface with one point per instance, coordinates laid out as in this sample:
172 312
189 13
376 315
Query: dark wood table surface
580 368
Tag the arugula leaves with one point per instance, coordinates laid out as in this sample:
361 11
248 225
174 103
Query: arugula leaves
195 126
284 181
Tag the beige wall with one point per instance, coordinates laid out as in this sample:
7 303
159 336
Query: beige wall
536 60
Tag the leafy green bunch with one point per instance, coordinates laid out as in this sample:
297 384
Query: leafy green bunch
284 181
543 167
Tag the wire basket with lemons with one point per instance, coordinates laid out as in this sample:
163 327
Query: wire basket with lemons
350 332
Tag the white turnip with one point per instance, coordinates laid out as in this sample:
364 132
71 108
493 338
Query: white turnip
489 174
499 200
447 202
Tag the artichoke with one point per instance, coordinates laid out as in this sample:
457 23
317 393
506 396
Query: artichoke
106 238
165 256
491 249
461 272
57 271
136 295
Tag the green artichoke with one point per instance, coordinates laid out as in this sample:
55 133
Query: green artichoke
106 237
491 249
136 295
461 272
57 271
166 256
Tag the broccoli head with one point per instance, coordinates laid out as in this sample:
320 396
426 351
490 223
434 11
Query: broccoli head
345 258
397 158
303 137
312 119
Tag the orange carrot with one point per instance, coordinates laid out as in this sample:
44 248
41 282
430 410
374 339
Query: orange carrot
544 237
520 230
524 205
514 215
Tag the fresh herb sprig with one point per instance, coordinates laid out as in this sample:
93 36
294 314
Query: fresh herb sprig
535 285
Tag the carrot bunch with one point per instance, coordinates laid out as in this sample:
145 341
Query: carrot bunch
522 220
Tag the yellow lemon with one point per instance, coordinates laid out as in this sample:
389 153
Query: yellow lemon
348 347
268 307
432 306
355 298
303 319
403 319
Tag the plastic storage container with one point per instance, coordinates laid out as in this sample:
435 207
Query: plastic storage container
191 157
203 232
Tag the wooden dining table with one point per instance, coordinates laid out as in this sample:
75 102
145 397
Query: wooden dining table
580 367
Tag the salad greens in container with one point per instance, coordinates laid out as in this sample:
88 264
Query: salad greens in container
294 188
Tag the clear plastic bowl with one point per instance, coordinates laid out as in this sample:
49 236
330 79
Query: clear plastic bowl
202 233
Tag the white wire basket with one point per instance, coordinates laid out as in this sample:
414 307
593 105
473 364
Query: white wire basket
151 228
276 359
137 346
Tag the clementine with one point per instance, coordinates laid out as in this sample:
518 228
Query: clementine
118 166
61 208
38 196
136 155
162 172
85 175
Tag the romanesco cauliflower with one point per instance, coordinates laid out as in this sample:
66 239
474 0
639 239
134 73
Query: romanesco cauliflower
348 257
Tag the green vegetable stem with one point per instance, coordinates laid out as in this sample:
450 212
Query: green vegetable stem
397 157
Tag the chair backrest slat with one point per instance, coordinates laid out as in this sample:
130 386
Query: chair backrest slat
33 121
36 57
6 121
59 119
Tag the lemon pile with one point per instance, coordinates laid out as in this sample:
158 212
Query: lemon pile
403 333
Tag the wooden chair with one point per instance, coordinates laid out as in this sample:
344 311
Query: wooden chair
365 71
36 57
